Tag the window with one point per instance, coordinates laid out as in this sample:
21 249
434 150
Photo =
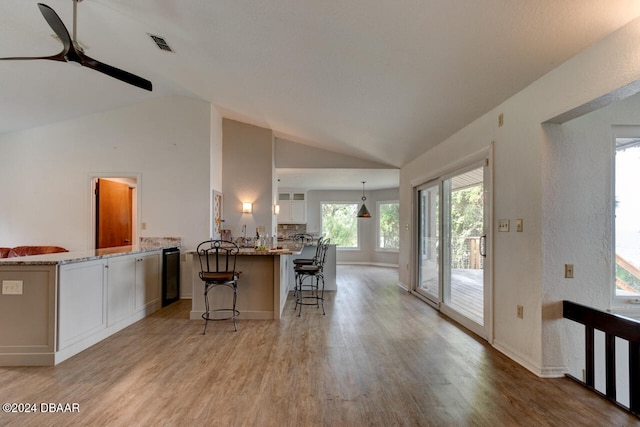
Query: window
627 218
388 226
340 224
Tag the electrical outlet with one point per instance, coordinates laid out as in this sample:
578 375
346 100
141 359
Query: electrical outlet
520 312
12 287
568 271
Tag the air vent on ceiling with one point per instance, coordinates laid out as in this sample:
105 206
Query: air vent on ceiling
161 43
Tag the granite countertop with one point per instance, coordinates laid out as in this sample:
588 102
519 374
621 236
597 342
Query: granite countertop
76 256
253 252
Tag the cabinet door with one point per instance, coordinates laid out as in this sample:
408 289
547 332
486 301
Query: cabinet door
284 216
120 288
298 213
147 280
81 301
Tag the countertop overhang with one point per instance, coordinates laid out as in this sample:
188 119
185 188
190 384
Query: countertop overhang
253 252
77 256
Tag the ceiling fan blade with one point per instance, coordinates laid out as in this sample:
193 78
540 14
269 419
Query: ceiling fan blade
114 72
58 57
71 53
57 26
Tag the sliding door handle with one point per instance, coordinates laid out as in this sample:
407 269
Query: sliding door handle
483 246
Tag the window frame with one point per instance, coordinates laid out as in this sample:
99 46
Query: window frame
378 233
621 131
343 202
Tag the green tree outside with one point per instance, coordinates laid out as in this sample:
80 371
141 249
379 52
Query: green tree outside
340 224
389 225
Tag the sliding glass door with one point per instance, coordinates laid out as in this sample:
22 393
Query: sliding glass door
452 250
429 242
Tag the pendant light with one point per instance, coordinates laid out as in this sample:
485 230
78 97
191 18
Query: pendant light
363 212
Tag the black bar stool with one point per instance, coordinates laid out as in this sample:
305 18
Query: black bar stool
311 290
218 268
305 238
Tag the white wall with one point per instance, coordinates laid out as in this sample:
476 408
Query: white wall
45 189
248 176
526 269
216 150
367 254
578 184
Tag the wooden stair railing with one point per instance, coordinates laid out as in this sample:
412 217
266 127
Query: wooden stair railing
613 326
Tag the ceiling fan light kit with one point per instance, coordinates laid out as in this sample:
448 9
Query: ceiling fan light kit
73 52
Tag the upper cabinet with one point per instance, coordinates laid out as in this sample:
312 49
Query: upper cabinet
293 208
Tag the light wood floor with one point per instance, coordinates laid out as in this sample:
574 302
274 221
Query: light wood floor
379 357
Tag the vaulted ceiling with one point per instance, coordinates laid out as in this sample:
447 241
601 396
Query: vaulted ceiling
376 79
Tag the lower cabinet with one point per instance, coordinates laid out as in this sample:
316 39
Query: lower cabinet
105 295
81 301
148 285
121 282
134 285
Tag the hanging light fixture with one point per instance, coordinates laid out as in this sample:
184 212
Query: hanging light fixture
363 212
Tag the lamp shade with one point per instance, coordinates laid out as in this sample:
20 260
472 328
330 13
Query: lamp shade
247 207
363 212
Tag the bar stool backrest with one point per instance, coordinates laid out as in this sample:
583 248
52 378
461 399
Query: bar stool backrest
322 256
319 248
217 256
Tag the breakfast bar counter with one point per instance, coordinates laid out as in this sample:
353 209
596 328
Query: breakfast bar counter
262 286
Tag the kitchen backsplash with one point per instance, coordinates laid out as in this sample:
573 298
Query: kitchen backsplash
159 242
289 230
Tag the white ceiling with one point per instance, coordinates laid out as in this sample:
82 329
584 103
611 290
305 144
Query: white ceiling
338 179
376 79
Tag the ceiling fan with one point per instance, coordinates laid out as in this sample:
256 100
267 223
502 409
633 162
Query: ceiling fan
73 52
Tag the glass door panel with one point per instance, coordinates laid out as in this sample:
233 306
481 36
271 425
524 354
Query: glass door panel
429 241
463 241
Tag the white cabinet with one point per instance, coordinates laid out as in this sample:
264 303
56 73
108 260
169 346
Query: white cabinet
134 285
293 208
81 297
148 286
96 295
120 288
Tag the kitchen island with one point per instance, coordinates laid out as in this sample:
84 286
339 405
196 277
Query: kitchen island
262 287
54 306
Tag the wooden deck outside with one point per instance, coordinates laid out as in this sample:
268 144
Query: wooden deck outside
467 293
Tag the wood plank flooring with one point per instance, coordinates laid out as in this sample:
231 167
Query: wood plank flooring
380 357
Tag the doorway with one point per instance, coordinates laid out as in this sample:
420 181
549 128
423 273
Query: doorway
453 223
114 211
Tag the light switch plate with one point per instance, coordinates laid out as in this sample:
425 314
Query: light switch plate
12 287
503 225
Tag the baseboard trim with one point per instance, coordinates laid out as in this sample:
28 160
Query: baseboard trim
542 372
372 264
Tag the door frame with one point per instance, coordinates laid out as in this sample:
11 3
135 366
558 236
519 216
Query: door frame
485 154
135 203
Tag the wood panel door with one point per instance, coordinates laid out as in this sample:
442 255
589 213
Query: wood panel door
113 214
